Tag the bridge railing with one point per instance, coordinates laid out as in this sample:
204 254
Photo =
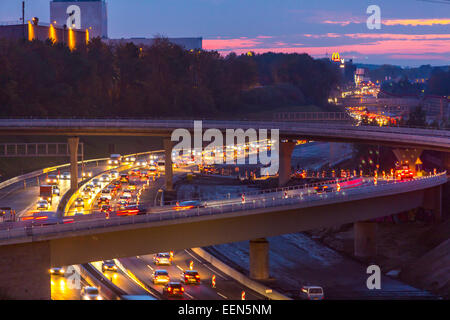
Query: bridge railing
170 123
301 199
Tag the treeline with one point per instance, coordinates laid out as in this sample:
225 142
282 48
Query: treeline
163 80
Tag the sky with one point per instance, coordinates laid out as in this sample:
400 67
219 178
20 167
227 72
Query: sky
412 33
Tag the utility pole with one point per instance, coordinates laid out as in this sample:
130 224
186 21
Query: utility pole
23 19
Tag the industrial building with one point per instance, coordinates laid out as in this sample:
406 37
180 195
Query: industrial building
75 22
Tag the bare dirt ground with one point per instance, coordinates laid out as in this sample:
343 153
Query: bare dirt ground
420 251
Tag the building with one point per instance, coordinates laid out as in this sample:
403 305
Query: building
33 30
81 15
92 15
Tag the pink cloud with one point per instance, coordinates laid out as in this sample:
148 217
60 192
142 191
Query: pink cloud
380 47
415 22
229 44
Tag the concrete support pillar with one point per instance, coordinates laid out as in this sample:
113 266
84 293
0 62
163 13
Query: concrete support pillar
433 201
365 239
168 145
24 271
410 155
259 259
73 148
446 161
285 162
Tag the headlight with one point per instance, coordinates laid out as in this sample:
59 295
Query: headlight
99 298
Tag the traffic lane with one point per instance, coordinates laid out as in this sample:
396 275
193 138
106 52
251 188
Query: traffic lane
226 288
91 204
24 200
63 289
120 280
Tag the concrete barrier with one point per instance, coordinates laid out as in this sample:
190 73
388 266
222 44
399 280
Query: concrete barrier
239 277
93 281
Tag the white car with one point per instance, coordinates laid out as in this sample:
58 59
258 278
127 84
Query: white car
106 193
65 176
312 293
114 174
141 163
43 205
96 183
90 293
105 178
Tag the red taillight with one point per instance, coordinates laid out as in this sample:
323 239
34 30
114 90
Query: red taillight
197 276
182 289
68 221
27 218
41 218
169 289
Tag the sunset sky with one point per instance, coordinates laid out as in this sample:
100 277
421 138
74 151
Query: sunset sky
413 32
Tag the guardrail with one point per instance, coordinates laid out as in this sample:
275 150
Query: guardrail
301 200
39 172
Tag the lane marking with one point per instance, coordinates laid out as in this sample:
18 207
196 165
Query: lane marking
206 266
222 295
150 267
189 295
180 268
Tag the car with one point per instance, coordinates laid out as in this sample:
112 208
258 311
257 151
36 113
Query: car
191 204
43 218
126 194
117 184
312 293
65 175
89 187
102 200
114 174
128 191
131 187
86 174
112 189
162 258
57 271
127 210
190 276
122 203
106 193
152 171
160 277
145 173
52 179
90 293
114 159
140 163
109 265
96 183
43 205
134 172
79 203
86 195
55 190
105 178
134 208
323 188
173 289
129 159
403 172
106 208
124 178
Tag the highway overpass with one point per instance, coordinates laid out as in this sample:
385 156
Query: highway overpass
393 136
31 251
413 139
